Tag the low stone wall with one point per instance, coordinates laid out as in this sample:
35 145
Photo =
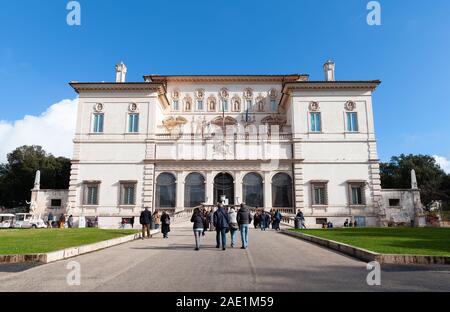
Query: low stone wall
70 252
367 255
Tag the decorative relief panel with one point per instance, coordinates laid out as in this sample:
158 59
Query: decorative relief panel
199 94
273 94
248 94
98 107
224 94
314 106
133 108
175 94
350 105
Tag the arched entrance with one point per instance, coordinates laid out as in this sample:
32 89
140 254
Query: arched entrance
224 185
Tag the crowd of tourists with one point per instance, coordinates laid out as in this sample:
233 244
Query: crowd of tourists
224 220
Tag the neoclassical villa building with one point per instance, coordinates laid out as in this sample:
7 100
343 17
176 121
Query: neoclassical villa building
269 141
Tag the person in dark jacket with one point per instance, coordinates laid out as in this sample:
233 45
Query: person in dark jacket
221 223
257 219
199 226
205 221
165 224
264 223
244 218
145 220
300 220
277 220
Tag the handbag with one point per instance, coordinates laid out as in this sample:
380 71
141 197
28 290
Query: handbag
234 226
167 221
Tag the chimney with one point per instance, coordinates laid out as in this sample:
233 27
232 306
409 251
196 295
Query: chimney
328 68
121 71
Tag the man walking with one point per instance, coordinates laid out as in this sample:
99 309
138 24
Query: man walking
222 224
50 219
145 219
244 219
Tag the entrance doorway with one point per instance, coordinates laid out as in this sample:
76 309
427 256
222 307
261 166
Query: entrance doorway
224 186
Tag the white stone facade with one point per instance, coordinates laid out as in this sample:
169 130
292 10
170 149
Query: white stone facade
119 168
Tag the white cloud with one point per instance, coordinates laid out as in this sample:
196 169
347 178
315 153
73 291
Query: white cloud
443 162
53 130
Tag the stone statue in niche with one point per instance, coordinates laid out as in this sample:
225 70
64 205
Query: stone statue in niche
261 105
211 104
236 105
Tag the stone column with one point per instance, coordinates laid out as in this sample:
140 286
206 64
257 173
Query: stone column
209 187
238 187
180 191
267 190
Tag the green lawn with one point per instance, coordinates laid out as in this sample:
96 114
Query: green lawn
413 241
26 241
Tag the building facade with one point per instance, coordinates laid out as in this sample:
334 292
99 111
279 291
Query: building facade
269 141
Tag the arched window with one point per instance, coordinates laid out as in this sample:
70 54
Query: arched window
282 191
252 190
166 191
194 190
224 186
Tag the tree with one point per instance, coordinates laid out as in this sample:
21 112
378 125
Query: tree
433 181
17 175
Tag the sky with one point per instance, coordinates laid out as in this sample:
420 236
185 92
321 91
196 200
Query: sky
410 52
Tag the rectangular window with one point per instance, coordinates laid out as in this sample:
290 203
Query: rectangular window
394 202
273 105
91 194
199 105
352 122
98 123
128 194
224 105
316 122
133 123
320 221
357 194
248 105
56 203
175 105
319 194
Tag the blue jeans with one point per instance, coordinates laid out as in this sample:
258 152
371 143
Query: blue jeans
244 234
233 237
198 234
221 233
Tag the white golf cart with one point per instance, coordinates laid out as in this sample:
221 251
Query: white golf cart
28 221
6 220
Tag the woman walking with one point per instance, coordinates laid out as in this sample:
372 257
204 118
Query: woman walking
156 220
199 226
165 224
233 226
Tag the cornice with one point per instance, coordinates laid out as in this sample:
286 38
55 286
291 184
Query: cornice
331 85
112 86
227 78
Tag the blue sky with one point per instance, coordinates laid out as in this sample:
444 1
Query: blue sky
409 52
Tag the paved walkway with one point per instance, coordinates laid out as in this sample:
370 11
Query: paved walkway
274 262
